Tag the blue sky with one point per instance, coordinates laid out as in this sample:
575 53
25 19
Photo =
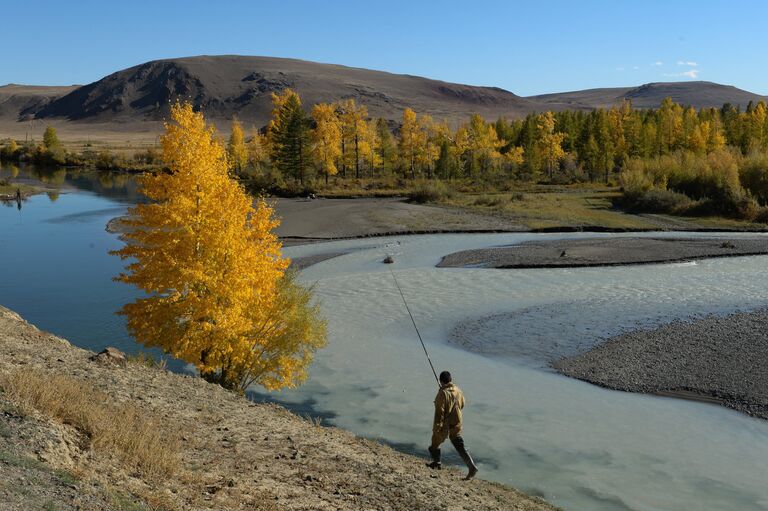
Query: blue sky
527 47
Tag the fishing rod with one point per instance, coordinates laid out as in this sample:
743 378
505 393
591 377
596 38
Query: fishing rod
423 346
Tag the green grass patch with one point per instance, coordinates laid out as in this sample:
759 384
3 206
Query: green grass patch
539 208
21 461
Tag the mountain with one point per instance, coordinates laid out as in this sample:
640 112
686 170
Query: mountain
23 101
698 94
135 99
225 86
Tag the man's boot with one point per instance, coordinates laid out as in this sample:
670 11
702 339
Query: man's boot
458 443
435 453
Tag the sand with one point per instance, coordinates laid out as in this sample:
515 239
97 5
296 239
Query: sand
306 220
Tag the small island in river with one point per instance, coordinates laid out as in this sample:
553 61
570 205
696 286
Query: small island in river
715 359
614 251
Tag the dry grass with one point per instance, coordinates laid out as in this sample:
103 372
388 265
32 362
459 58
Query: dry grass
141 441
145 359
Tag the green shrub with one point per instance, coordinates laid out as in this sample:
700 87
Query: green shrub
754 177
430 191
489 200
107 161
657 201
150 156
762 216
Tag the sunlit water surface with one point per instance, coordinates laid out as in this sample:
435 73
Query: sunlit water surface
579 446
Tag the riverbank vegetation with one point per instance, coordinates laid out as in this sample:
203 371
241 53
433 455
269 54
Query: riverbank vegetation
671 160
51 152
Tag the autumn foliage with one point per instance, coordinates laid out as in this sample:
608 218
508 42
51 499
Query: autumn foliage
218 295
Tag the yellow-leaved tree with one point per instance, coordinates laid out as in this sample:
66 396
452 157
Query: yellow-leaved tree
218 295
549 142
237 152
326 138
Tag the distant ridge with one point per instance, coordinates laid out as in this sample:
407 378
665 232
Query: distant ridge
229 85
225 86
24 101
698 94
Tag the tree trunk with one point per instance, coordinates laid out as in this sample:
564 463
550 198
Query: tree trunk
301 163
357 158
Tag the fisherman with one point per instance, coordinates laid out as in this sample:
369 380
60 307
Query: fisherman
448 405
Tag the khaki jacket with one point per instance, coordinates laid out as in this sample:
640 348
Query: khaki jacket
448 405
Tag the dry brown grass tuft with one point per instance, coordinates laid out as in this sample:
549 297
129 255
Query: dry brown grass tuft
139 439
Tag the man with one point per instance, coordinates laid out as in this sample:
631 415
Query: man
447 424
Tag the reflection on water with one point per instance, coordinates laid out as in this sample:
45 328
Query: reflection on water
54 264
120 187
580 446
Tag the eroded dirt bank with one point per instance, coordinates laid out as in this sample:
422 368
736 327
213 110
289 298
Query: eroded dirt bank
233 454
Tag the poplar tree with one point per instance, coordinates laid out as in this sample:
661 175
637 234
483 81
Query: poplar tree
410 141
217 294
236 150
355 131
548 142
326 138
258 151
385 145
51 138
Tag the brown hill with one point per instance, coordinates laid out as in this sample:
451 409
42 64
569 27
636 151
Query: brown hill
23 101
132 102
697 94
225 86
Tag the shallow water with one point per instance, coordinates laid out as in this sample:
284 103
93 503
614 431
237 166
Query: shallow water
580 446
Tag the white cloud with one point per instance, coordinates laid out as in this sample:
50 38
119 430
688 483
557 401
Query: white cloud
658 63
636 67
692 73
619 69
688 63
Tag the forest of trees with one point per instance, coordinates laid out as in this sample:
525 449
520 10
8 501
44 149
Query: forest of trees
673 158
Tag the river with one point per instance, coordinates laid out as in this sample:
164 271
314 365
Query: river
579 446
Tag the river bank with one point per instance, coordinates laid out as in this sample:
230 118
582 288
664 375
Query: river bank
714 359
232 454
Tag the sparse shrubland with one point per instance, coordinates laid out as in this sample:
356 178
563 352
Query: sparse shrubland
146 444
691 184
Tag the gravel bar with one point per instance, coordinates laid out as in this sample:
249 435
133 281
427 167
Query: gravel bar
716 359
576 253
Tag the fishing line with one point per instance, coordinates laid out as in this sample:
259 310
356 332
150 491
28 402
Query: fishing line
424 347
